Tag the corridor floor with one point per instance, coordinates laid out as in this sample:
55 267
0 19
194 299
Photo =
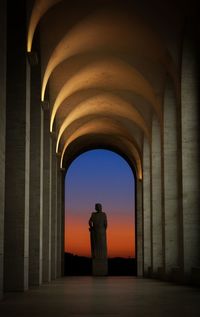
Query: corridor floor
109 297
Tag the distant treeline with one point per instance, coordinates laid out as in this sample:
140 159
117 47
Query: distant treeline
80 265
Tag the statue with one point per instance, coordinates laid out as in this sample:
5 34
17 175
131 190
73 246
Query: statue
97 228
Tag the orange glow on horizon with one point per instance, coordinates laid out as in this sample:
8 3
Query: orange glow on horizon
120 236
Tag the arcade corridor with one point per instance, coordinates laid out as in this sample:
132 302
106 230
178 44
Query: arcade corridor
121 75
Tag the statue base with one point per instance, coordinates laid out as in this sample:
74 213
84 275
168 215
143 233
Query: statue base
99 267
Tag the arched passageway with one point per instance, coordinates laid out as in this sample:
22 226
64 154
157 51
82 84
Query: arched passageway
121 75
100 176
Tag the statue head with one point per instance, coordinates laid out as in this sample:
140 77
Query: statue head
98 207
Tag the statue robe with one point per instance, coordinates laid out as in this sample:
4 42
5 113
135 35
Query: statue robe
98 225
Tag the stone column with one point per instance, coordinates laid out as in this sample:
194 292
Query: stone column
146 208
170 177
139 229
62 222
46 258
36 176
190 153
59 217
17 151
2 132
156 192
53 206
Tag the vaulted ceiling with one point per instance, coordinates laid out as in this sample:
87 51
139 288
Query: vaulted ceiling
104 66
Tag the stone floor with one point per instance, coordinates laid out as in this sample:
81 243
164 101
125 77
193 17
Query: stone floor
111 296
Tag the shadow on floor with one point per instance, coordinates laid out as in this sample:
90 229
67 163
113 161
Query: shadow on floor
78 265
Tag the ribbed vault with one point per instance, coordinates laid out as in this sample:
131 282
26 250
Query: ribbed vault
103 70
108 105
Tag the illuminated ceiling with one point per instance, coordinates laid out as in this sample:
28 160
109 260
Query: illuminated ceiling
104 65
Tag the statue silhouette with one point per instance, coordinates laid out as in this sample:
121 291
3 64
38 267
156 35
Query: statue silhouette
97 227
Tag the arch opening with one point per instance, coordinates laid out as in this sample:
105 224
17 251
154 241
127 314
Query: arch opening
104 176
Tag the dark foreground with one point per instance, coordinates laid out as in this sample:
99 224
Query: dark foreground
79 265
113 296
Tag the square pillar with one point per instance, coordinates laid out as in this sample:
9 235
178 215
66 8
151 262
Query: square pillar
62 223
36 181
46 249
59 217
16 246
146 208
156 201
170 180
2 132
53 206
139 228
190 145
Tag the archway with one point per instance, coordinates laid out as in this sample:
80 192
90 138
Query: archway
100 175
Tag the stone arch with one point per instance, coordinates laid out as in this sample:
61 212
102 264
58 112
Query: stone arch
95 145
98 140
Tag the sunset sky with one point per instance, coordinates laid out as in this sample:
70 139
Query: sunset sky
100 176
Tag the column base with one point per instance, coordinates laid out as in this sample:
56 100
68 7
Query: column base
177 275
195 275
16 273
